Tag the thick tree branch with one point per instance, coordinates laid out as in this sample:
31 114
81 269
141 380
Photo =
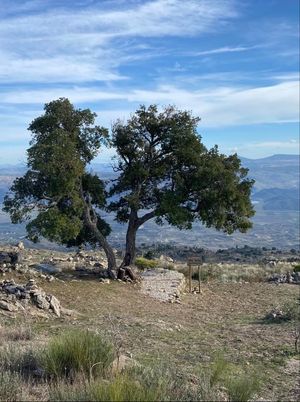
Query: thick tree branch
146 217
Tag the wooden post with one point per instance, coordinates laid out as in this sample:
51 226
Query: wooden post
190 278
199 279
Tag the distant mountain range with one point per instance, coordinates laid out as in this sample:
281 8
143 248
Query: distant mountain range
276 180
278 199
277 171
275 197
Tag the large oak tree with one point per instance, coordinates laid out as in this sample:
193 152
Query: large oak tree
167 174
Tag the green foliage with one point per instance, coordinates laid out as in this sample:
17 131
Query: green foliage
53 193
167 172
71 365
144 263
149 255
296 268
10 386
165 167
242 387
218 370
76 352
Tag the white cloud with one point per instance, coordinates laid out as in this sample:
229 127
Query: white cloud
75 94
289 144
230 105
88 43
217 107
225 49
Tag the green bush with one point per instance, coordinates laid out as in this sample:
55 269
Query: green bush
10 385
76 352
150 255
296 268
144 263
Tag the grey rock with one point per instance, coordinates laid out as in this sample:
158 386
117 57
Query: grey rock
4 305
55 305
102 280
40 301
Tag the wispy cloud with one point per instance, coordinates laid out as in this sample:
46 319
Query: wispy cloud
217 107
231 105
225 49
87 41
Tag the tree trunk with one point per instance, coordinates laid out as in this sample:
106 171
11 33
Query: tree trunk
111 259
130 243
134 223
92 225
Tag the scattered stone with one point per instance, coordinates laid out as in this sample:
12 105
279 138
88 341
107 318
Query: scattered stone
21 246
163 284
289 277
102 280
14 297
4 305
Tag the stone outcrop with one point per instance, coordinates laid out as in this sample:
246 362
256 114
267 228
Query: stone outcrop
163 284
289 277
14 297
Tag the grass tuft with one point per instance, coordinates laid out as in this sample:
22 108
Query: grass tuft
243 387
76 352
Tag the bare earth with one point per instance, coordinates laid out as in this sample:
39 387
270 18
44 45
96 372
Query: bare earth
225 317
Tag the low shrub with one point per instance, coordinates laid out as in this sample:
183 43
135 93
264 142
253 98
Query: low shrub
144 263
76 352
296 268
17 333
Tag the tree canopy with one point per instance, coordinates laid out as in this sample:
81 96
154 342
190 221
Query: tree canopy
57 195
164 172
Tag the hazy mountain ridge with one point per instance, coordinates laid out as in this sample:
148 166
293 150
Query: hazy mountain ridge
276 171
275 197
274 175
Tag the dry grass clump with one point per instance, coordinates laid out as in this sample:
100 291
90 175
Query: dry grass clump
235 273
21 332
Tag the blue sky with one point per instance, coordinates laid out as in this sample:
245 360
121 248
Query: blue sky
234 63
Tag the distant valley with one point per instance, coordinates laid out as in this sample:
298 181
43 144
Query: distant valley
275 197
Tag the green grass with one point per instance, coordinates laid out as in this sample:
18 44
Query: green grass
242 387
76 352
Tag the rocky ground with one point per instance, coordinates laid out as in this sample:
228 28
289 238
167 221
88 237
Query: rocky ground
249 322
163 284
